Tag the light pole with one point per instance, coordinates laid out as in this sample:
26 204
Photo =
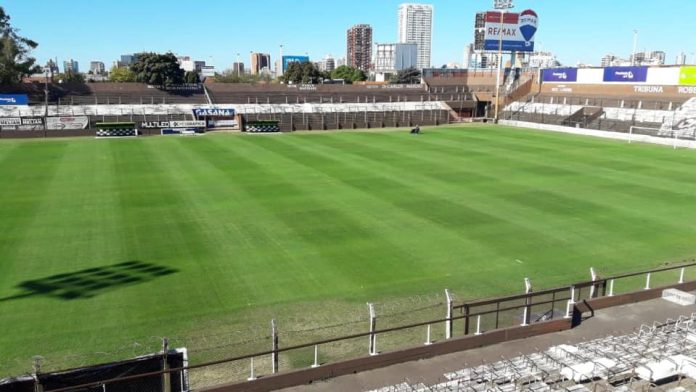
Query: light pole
279 68
635 43
503 6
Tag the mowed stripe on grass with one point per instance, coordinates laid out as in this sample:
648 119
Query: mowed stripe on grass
105 241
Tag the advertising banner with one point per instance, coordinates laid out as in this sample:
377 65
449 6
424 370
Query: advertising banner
293 59
21 124
213 112
517 31
687 76
172 124
625 74
223 124
14 99
562 75
67 122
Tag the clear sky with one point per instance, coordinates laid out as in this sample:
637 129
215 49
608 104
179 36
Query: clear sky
216 30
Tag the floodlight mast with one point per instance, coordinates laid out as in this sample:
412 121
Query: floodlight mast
501 5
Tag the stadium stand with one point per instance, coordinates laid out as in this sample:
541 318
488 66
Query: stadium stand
657 354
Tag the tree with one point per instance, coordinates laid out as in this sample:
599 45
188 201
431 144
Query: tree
157 69
348 74
232 76
69 77
192 77
406 76
15 61
121 75
304 73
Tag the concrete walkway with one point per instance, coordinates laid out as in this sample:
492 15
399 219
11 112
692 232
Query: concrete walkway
620 320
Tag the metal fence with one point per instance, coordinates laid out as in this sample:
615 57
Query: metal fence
382 335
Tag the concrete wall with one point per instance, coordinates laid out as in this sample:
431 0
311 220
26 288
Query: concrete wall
603 134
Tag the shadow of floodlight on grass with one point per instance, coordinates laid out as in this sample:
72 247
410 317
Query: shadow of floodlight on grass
90 282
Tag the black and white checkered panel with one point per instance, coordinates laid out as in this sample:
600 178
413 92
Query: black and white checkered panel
263 128
116 132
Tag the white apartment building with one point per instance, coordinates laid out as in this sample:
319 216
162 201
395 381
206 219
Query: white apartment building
416 26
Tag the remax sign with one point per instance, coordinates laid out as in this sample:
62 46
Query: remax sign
563 75
510 31
625 74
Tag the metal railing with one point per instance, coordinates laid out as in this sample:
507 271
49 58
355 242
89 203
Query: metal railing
486 315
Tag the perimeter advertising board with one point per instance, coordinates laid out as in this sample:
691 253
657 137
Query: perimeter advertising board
687 76
21 124
517 31
67 122
14 99
625 74
562 75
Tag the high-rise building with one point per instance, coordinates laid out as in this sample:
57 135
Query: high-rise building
392 58
608 60
656 57
238 67
189 65
260 61
416 26
327 64
97 67
359 46
681 59
71 66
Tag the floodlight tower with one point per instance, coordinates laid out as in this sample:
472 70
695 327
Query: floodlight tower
502 5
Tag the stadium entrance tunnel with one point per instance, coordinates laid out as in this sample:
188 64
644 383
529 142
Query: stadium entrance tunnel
90 282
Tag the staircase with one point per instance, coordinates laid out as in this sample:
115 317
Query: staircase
683 122
583 116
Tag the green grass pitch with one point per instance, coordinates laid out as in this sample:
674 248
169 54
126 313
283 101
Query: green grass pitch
102 241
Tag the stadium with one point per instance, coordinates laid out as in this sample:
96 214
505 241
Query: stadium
536 235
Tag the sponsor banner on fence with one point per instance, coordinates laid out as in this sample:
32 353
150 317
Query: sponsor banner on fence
173 124
213 112
517 31
22 124
691 90
223 124
67 122
687 76
625 74
562 75
14 99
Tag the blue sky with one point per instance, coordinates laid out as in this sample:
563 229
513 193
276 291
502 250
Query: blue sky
216 30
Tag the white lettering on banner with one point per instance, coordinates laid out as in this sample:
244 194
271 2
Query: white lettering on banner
625 74
648 89
214 112
560 75
562 88
307 87
187 124
8 100
687 89
32 121
11 121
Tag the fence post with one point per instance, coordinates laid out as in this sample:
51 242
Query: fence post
166 377
593 276
478 325
373 325
251 372
527 302
466 319
647 281
571 302
274 353
37 369
681 275
611 288
316 356
448 320
427 337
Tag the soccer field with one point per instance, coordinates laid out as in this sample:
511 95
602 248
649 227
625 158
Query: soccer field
103 242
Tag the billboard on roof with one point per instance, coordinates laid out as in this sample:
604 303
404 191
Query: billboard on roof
510 32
